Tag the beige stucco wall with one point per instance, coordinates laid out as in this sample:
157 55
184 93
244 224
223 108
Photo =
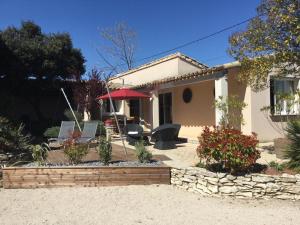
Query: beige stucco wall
255 120
185 67
198 113
155 72
238 89
172 67
265 126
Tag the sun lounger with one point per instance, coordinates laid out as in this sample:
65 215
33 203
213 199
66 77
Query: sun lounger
66 130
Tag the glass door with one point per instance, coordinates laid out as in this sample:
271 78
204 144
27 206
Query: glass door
165 108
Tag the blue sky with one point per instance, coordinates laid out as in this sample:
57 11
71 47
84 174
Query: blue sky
160 25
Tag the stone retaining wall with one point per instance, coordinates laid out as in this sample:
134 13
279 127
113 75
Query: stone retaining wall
204 182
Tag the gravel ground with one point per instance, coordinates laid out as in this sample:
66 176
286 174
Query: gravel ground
154 204
97 163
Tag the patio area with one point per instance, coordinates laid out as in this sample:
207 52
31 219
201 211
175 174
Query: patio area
184 155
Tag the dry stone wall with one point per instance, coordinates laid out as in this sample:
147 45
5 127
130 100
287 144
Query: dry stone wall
204 182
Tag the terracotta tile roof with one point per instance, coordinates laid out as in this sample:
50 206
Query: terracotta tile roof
166 58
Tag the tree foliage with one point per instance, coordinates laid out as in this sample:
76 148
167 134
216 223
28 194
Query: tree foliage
293 150
29 53
86 91
13 140
271 40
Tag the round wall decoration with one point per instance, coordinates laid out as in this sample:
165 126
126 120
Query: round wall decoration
187 95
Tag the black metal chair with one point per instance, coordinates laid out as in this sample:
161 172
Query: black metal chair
134 133
167 125
165 136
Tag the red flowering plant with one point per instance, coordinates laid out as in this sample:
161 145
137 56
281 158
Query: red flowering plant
73 150
235 151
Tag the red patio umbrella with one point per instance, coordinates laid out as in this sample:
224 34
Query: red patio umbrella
123 94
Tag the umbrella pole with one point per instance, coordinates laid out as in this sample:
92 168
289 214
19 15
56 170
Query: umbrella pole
114 112
62 90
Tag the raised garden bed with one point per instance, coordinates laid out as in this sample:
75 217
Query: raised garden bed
46 177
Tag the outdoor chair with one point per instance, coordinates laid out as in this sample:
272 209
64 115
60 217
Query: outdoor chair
165 136
89 132
178 140
65 131
134 133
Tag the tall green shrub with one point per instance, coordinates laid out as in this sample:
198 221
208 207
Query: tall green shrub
293 150
105 151
142 153
40 153
13 139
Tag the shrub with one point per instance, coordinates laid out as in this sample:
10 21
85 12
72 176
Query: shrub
293 150
40 153
229 147
13 141
142 153
52 132
74 151
105 151
277 166
101 131
68 113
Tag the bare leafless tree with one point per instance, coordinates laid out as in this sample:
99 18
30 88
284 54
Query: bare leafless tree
119 52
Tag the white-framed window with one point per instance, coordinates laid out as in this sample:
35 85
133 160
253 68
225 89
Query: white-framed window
284 96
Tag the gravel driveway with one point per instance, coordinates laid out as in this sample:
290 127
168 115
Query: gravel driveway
154 204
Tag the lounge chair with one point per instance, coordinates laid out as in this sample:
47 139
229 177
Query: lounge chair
165 136
134 133
65 131
89 132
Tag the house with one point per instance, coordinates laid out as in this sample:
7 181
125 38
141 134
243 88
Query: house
183 91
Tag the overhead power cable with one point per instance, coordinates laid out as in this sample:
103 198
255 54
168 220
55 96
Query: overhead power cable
194 41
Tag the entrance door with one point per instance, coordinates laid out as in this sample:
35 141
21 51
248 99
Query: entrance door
165 108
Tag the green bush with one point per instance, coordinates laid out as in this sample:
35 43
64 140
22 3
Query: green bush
40 153
75 152
142 153
101 129
69 115
13 141
277 166
235 151
105 151
293 150
52 132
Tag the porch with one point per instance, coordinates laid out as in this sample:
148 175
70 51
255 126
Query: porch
189 102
